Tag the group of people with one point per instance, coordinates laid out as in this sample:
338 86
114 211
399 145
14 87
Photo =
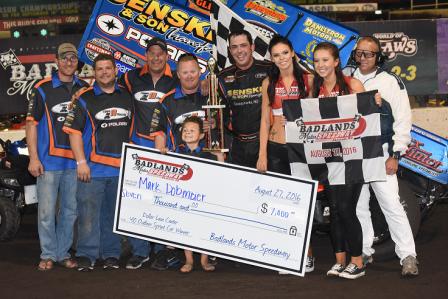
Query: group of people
75 145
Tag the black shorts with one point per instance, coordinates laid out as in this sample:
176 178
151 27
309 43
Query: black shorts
278 158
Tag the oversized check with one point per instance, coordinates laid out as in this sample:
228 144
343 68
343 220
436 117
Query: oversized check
216 208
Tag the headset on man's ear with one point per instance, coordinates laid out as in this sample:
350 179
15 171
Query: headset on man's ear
381 58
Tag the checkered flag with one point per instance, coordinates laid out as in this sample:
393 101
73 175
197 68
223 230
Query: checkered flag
8 59
223 21
335 140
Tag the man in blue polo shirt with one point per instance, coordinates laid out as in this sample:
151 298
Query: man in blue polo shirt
102 111
51 159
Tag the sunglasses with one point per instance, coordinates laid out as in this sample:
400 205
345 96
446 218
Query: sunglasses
366 54
69 59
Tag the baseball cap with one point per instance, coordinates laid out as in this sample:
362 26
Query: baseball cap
65 48
155 41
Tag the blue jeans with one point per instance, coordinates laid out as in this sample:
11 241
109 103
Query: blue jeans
56 239
142 247
96 209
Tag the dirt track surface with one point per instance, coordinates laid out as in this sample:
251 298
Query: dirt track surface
20 279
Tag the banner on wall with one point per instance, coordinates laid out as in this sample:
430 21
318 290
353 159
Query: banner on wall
11 9
43 21
123 27
304 28
410 46
23 63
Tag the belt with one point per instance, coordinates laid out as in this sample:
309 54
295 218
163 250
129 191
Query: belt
248 137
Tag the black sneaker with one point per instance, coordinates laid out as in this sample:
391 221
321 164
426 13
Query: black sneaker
165 259
336 270
111 263
352 272
136 262
84 264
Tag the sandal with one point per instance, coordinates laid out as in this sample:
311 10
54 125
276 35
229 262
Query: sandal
68 263
45 265
187 268
208 267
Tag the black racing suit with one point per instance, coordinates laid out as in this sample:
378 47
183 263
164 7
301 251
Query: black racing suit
242 96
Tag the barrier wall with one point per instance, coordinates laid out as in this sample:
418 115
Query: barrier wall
432 119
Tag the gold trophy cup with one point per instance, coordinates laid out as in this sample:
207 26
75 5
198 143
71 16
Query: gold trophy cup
214 138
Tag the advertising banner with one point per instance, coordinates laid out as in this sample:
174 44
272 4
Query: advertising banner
304 28
8 24
427 155
410 46
23 63
123 27
442 54
13 9
183 201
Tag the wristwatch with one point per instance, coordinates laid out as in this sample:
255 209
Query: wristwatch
396 155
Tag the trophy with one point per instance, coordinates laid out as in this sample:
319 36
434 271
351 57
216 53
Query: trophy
214 138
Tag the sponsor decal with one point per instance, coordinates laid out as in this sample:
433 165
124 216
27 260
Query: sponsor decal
62 108
110 24
309 50
175 34
418 155
149 96
244 92
320 31
264 29
330 130
229 79
162 17
293 91
267 10
97 46
122 57
163 169
203 6
394 44
113 114
260 75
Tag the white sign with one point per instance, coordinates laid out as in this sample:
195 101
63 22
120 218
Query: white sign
216 208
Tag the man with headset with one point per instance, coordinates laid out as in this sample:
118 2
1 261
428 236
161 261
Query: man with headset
395 131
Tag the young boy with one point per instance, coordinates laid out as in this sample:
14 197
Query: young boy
192 133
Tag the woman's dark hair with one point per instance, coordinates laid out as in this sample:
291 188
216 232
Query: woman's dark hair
274 72
318 80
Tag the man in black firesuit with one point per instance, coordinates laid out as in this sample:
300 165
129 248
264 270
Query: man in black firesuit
241 84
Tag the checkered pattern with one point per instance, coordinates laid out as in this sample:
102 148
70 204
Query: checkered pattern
223 21
335 161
